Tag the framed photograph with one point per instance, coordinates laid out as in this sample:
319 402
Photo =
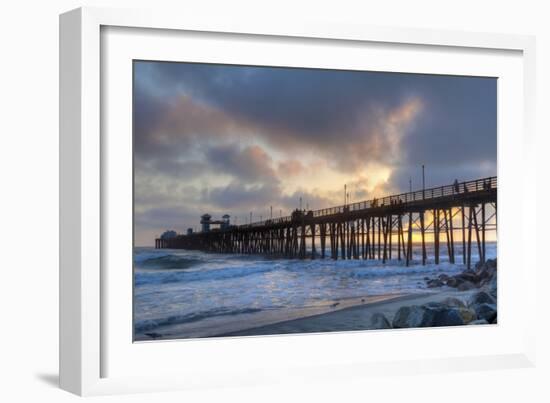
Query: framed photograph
268 200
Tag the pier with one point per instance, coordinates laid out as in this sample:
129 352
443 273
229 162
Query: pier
381 229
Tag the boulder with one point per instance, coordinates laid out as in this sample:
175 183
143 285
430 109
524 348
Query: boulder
379 321
492 286
485 311
467 315
409 316
453 302
487 269
443 316
453 282
484 275
491 263
434 283
440 314
468 275
466 285
433 314
488 273
480 298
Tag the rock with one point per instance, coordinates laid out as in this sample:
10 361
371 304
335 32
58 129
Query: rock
467 315
453 282
409 316
468 275
492 286
444 316
454 302
434 283
485 311
466 285
433 314
483 275
479 322
480 298
487 269
440 314
379 321
488 273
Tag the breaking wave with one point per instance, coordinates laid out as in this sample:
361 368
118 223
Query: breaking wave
168 262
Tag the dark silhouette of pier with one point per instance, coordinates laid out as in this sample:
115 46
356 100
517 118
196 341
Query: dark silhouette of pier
367 229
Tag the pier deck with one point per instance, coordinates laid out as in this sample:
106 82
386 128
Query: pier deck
366 229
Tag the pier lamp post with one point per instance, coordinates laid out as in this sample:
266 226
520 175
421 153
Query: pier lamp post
345 194
423 182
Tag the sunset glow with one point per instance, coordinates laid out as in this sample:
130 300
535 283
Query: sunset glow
238 140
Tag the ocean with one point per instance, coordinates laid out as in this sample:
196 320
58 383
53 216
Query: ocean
187 294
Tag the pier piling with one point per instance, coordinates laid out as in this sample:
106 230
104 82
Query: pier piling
365 230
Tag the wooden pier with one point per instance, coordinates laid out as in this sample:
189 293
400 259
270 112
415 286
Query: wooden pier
380 229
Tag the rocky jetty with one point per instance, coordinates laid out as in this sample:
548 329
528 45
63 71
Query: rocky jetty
479 309
379 321
483 276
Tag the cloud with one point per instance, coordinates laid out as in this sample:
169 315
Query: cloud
241 196
219 138
251 163
290 167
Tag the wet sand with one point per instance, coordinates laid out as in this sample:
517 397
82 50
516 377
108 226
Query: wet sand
222 325
351 318
328 316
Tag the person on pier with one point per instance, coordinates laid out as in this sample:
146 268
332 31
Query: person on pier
456 187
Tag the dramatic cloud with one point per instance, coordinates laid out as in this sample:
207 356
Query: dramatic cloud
251 163
236 139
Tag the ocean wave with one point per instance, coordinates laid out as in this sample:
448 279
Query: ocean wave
204 274
168 262
151 324
364 268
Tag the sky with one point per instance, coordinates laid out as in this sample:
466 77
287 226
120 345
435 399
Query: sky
236 140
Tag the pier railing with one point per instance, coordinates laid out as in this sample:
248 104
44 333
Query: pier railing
402 199
370 229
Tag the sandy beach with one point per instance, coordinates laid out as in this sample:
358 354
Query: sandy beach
342 315
235 324
189 295
357 317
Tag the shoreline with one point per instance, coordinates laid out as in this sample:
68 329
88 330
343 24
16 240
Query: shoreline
350 314
220 326
469 297
353 318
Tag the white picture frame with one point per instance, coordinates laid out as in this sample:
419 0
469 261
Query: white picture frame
86 346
